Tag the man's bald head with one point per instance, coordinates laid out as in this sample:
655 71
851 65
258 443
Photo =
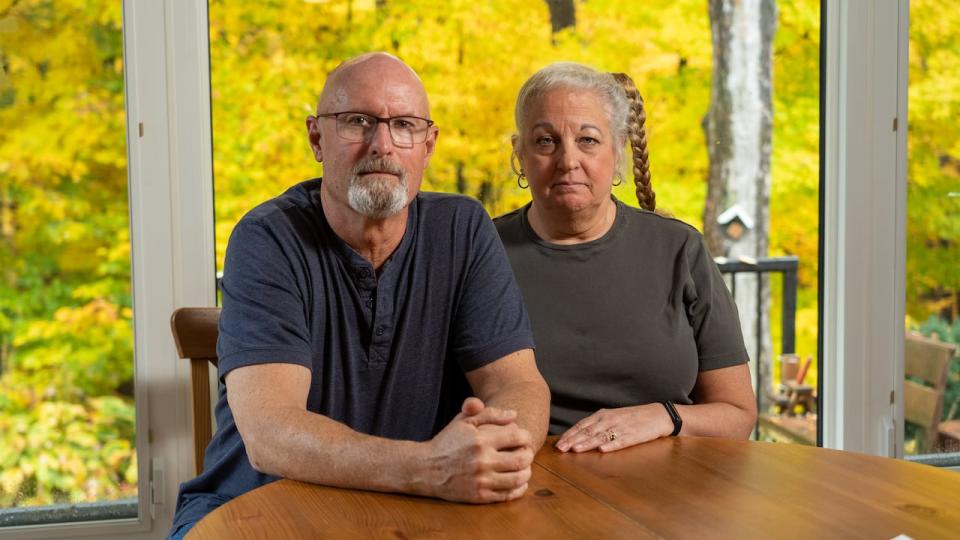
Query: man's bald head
370 71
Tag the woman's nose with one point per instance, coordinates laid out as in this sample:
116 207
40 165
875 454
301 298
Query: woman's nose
569 158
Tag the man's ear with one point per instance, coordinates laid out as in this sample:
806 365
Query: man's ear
314 137
431 144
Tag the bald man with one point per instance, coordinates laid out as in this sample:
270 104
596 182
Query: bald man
358 313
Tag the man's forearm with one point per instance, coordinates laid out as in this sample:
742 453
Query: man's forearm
513 382
531 400
461 463
302 445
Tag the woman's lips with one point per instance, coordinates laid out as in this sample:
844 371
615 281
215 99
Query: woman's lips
568 184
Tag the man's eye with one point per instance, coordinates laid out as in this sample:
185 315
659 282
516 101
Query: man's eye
360 120
402 123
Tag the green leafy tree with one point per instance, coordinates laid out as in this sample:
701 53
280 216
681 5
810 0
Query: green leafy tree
66 433
933 170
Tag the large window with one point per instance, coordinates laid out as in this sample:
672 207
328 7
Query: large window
67 441
732 116
67 429
932 363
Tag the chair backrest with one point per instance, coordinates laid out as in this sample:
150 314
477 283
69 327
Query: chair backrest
926 360
195 332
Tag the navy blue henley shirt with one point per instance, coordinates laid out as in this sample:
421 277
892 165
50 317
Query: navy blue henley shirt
387 352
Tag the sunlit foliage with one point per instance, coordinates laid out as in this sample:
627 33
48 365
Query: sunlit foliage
933 168
473 57
66 355
66 422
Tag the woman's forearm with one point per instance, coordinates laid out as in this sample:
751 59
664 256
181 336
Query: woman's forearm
717 420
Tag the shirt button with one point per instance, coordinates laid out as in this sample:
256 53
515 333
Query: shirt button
369 302
380 330
364 273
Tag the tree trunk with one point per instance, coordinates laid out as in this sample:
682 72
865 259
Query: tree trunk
8 221
461 179
738 129
562 14
485 193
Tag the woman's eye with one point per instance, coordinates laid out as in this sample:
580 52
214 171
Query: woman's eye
589 141
544 141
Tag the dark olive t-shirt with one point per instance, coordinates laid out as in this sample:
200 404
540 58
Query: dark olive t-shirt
629 318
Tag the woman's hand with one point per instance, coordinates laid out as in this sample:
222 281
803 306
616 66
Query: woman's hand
613 429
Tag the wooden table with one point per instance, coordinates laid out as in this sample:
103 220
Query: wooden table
684 487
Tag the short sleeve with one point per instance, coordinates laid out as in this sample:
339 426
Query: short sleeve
263 317
712 311
490 320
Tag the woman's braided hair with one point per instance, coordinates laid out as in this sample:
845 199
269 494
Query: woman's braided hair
637 135
623 104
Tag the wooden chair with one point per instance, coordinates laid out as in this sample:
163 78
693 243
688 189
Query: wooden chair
791 393
195 332
925 360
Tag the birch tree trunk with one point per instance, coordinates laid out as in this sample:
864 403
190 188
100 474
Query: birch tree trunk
738 130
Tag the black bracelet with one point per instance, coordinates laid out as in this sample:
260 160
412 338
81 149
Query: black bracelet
674 417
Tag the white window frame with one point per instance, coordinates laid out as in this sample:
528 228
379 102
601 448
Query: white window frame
864 225
166 67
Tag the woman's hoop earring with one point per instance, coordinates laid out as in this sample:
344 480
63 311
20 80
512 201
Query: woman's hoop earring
619 178
518 171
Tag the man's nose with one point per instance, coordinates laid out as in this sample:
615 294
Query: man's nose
381 142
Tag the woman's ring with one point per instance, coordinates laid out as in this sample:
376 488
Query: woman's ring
611 435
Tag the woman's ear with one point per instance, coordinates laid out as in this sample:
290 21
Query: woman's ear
515 142
515 156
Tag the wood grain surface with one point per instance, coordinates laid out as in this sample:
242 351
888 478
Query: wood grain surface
683 487
691 487
286 509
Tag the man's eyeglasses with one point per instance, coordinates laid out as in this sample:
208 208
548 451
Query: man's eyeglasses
405 131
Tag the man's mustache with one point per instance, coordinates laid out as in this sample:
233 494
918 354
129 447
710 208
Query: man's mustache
378 165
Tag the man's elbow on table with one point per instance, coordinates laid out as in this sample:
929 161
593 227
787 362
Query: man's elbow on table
262 432
267 402
261 449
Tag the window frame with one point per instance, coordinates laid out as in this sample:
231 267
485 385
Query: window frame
863 225
166 72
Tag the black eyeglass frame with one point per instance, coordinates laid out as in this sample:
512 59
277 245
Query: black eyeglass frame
379 119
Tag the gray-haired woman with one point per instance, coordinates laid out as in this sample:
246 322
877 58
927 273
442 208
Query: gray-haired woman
636 332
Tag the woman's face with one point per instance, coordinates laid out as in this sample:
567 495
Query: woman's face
568 150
